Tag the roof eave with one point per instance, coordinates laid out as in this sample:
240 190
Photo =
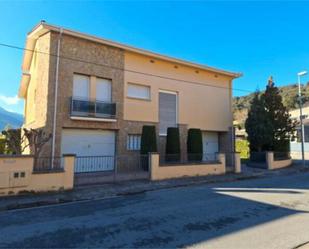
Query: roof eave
139 51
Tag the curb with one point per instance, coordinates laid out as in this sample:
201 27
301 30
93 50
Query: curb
60 201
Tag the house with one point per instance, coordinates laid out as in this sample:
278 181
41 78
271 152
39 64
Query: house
95 95
295 144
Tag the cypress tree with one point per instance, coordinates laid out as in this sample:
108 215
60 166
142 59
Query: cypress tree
148 144
257 125
268 125
195 145
282 127
172 148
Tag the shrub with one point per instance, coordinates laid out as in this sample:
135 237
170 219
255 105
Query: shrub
242 146
172 149
2 146
12 141
148 144
195 145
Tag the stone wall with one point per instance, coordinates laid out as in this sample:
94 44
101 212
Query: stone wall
89 58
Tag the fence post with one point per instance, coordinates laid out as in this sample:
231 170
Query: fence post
269 159
153 165
222 160
237 162
69 161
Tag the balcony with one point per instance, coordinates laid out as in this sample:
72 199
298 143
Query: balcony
92 110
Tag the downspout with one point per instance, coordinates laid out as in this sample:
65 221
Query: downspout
56 97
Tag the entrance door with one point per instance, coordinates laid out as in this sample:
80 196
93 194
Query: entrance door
210 145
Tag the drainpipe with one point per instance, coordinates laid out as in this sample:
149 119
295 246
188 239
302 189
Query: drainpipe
56 97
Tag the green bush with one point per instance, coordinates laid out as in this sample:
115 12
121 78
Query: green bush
2 146
12 141
148 144
195 145
172 148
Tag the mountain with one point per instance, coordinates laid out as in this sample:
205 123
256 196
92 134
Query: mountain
12 119
289 95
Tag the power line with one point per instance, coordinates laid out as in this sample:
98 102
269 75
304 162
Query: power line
122 69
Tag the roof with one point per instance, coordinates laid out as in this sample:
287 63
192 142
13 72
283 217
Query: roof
44 27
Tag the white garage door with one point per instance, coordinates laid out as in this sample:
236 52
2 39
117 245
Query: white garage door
210 145
95 150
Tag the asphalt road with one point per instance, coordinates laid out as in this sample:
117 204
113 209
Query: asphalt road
260 213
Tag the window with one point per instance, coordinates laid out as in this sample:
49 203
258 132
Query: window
134 142
103 90
167 111
138 91
81 86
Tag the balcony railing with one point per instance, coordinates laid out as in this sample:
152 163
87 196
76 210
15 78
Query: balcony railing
93 109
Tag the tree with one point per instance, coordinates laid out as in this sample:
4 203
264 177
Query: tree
268 125
12 141
37 138
195 145
281 125
172 148
257 125
148 144
17 141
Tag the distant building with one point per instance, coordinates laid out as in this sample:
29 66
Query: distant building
295 144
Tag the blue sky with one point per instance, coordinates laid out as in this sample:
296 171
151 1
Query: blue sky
256 38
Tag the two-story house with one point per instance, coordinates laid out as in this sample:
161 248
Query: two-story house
95 95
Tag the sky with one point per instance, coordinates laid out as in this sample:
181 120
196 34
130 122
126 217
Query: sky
256 38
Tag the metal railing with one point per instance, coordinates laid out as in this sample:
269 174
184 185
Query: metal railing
189 158
119 164
258 157
86 164
85 108
48 164
278 156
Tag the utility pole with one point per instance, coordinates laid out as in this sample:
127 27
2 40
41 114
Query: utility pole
301 117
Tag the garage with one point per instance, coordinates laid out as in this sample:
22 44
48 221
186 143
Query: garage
94 149
210 145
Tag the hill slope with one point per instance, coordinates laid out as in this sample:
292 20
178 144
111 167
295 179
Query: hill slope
13 119
289 96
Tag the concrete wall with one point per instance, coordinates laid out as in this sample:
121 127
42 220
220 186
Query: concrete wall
158 172
276 164
17 176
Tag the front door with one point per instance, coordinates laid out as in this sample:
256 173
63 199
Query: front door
210 145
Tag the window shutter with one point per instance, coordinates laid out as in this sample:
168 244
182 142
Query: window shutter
167 111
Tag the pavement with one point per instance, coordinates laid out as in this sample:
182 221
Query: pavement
103 191
267 211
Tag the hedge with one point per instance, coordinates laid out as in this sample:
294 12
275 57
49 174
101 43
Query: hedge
172 148
148 144
195 145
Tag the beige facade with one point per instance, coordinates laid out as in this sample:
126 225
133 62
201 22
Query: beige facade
203 94
204 98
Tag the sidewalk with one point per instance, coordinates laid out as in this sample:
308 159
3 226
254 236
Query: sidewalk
96 192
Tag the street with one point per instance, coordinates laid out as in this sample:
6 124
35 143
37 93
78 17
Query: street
259 213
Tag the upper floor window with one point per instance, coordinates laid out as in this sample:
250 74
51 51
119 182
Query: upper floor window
81 86
103 90
138 91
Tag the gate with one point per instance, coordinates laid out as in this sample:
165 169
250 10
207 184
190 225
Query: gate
87 164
